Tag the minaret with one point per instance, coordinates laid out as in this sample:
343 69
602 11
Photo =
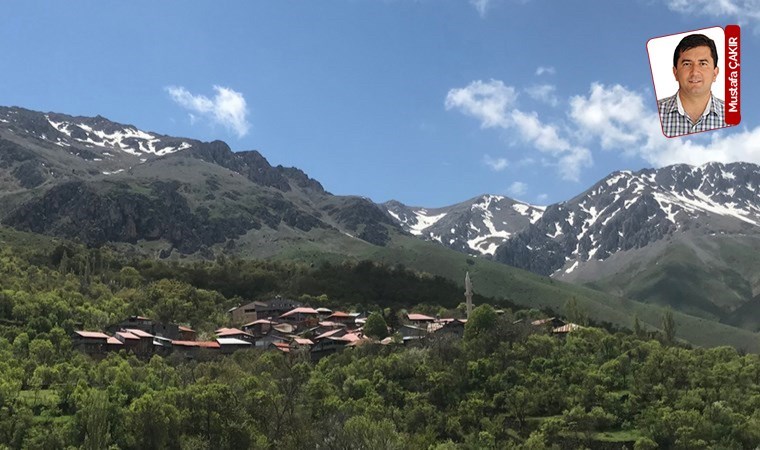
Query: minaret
468 293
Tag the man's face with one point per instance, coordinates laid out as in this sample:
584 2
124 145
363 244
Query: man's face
695 71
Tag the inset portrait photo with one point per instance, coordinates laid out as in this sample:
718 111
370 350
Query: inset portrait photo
689 80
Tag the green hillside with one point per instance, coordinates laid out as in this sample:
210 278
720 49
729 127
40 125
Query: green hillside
526 289
716 277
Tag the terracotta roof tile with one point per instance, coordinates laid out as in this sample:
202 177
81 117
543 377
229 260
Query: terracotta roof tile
232 332
127 335
92 334
419 318
139 333
301 310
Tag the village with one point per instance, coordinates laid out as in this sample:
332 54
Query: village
280 324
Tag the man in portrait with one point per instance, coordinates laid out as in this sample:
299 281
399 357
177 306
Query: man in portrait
693 108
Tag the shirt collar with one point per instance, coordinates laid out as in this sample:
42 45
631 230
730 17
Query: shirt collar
708 108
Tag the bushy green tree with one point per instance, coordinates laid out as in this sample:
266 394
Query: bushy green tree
375 327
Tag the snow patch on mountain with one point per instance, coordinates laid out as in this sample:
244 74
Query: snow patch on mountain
424 221
128 139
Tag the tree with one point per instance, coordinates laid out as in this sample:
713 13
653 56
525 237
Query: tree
151 422
94 417
575 312
669 326
375 327
482 320
637 330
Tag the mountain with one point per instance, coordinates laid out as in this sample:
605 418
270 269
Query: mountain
102 183
477 226
681 236
99 181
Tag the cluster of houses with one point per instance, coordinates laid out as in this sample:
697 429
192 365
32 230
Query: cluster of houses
281 324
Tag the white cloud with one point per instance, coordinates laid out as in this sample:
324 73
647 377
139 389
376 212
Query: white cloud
611 114
487 102
517 188
743 11
542 198
481 6
227 108
613 118
545 70
492 103
496 164
544 93
617 118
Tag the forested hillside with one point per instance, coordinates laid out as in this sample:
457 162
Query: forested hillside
504 385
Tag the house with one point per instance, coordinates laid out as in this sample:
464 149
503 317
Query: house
411 332
324 313
128 340
258 328
281 346
245 313
162 346
144 346
284 328
301 317
113 344
94 343
147 325
550 323
275 307
420 320
301 342
342 317
327 346
193 349
234 333
565 329
454 327
337 332
230 344
185 334
269 340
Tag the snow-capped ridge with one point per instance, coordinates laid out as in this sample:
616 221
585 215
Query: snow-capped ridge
126 138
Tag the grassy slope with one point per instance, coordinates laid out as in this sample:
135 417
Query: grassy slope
716 277
524 288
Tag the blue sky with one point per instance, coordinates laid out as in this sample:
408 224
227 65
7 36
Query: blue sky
429 102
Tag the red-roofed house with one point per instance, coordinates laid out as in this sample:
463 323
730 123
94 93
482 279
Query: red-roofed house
113 344
342 317
231 344
234 333
567 328
301 317
282 346
301 342
93 343
191 349
337 332
551 322
420 320
185 333
147 325
144 346
129 340
259 327
453 327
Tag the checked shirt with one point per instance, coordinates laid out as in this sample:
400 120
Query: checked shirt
675 121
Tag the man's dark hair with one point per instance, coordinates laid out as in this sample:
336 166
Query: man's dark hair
695 40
